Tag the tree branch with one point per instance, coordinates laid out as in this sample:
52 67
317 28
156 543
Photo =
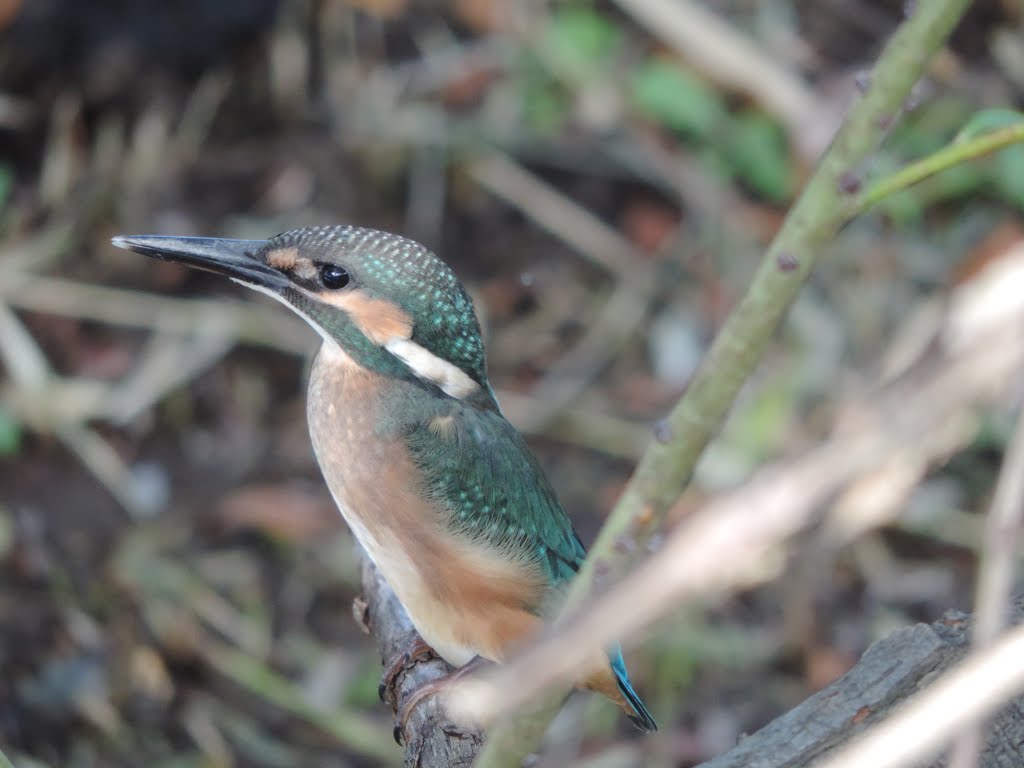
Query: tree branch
889 672
973 355
811 224
432 738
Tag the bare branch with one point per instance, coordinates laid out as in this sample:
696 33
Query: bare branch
976 688
739 539
877 690
432 738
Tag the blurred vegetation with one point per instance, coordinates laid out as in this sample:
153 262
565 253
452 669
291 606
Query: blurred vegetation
174 581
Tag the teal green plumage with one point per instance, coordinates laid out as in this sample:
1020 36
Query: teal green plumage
485 474
489 480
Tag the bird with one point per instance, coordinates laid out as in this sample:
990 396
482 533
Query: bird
440 490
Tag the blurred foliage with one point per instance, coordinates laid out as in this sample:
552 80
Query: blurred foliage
10 434
213 626
584 47
666 93
755 147
581 43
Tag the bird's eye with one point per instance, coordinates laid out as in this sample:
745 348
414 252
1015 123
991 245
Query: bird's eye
333 277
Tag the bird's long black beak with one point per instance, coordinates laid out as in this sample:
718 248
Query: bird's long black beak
234 258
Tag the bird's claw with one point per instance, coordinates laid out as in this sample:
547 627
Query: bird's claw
427 690
415 650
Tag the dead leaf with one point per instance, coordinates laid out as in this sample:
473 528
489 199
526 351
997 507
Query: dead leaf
281 511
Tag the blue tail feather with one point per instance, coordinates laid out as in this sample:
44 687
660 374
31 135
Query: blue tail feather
641 717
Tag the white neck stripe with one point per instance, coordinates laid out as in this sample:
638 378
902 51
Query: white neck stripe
450 378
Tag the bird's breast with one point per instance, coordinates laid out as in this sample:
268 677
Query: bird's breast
464 598
369 474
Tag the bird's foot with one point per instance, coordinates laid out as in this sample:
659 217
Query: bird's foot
431 688
415 650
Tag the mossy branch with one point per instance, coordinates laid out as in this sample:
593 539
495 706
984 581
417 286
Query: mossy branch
822 209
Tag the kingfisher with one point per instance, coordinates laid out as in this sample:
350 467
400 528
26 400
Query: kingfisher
437 486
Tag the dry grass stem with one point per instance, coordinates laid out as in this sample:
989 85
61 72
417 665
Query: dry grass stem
244 321
555 213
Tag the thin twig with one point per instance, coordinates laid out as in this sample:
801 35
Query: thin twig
956 153
100 458
590 428
555 213
31 372
25 362
167 361
40 250
240 649
359 733
622 314
619 321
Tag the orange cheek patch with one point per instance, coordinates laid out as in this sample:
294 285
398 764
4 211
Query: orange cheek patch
380 321
284 259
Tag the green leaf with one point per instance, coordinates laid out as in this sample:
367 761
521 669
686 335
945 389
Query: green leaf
6 182
545 109
581 41
10 434
757 150
664 92
1008 175
986 121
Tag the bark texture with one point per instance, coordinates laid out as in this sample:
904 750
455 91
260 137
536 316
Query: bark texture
890 670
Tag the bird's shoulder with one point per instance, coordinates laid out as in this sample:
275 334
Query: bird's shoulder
480 469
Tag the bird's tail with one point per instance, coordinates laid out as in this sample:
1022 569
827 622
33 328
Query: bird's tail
640 716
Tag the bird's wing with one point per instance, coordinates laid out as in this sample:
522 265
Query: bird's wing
478 466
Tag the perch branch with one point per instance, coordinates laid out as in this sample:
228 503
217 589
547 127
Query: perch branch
432 739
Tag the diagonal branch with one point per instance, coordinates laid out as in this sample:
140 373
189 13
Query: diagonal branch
738 539
884 680
810 226
432 739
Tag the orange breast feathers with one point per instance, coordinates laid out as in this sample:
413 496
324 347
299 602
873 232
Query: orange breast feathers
464 597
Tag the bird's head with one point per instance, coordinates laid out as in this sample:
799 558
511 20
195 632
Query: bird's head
388 302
